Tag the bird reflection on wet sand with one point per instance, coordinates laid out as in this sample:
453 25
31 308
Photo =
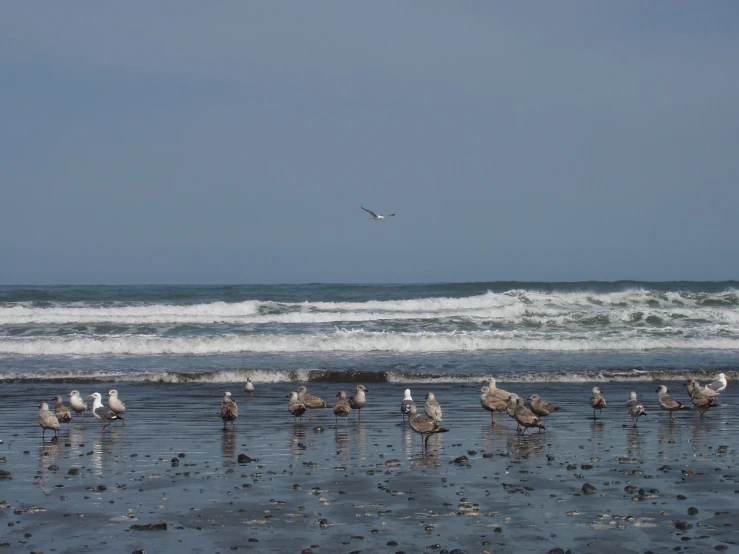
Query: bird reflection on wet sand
228 444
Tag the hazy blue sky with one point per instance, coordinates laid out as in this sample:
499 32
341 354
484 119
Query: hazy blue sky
234 142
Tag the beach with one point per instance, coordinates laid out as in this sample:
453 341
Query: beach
365 485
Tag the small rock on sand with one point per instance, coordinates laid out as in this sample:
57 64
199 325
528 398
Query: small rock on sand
587 488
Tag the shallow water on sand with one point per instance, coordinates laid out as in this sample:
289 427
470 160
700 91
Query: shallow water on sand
365 485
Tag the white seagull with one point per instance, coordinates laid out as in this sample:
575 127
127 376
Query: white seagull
719 385
376 217
102 414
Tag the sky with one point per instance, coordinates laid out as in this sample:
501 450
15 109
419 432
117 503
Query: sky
235 142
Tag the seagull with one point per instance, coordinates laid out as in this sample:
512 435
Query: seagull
342 407
668 403
61 411
47 420
309 400
376 217
115 404
75 400
719 384
525 417
490 403
296 407
635 408
695 387
358 400
432 407
541 408
249 386
700 397
423 425
500 394
405 405
102 414
597 401
511 409
229 410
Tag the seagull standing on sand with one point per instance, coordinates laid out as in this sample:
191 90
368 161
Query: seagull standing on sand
249 386
61 411
423 425
597 401
668 403
498 393
115 404
342 408
700 396
490 403
296 407
405 405
719 384
376 217
75 400
310 401
358 400
102 414
541 408
229 410
432 407
635 408
525 417
695 387
511 409
47 420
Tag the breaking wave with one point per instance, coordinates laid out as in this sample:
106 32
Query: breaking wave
262 376
358 341
543 307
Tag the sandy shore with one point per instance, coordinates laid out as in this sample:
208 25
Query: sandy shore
366 487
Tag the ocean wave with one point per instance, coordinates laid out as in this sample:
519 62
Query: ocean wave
290 376
512 306
358 341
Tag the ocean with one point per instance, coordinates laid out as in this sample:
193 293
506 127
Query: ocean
331 485
389 333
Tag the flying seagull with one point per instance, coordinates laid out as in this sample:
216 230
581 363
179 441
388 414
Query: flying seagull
375 216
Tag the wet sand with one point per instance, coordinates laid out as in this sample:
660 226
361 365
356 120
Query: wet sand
367 486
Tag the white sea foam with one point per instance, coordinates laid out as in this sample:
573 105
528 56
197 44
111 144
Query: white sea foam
509 308
354 341
268 377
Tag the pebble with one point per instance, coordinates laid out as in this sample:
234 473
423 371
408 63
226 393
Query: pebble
587 488
159 526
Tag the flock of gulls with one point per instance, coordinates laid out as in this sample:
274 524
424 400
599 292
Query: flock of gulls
492 400
61 414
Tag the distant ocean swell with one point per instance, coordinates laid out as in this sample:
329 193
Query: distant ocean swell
239 376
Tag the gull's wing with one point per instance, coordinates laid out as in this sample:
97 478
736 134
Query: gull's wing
373 214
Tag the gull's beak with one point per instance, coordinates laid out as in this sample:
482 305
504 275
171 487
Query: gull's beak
90 396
